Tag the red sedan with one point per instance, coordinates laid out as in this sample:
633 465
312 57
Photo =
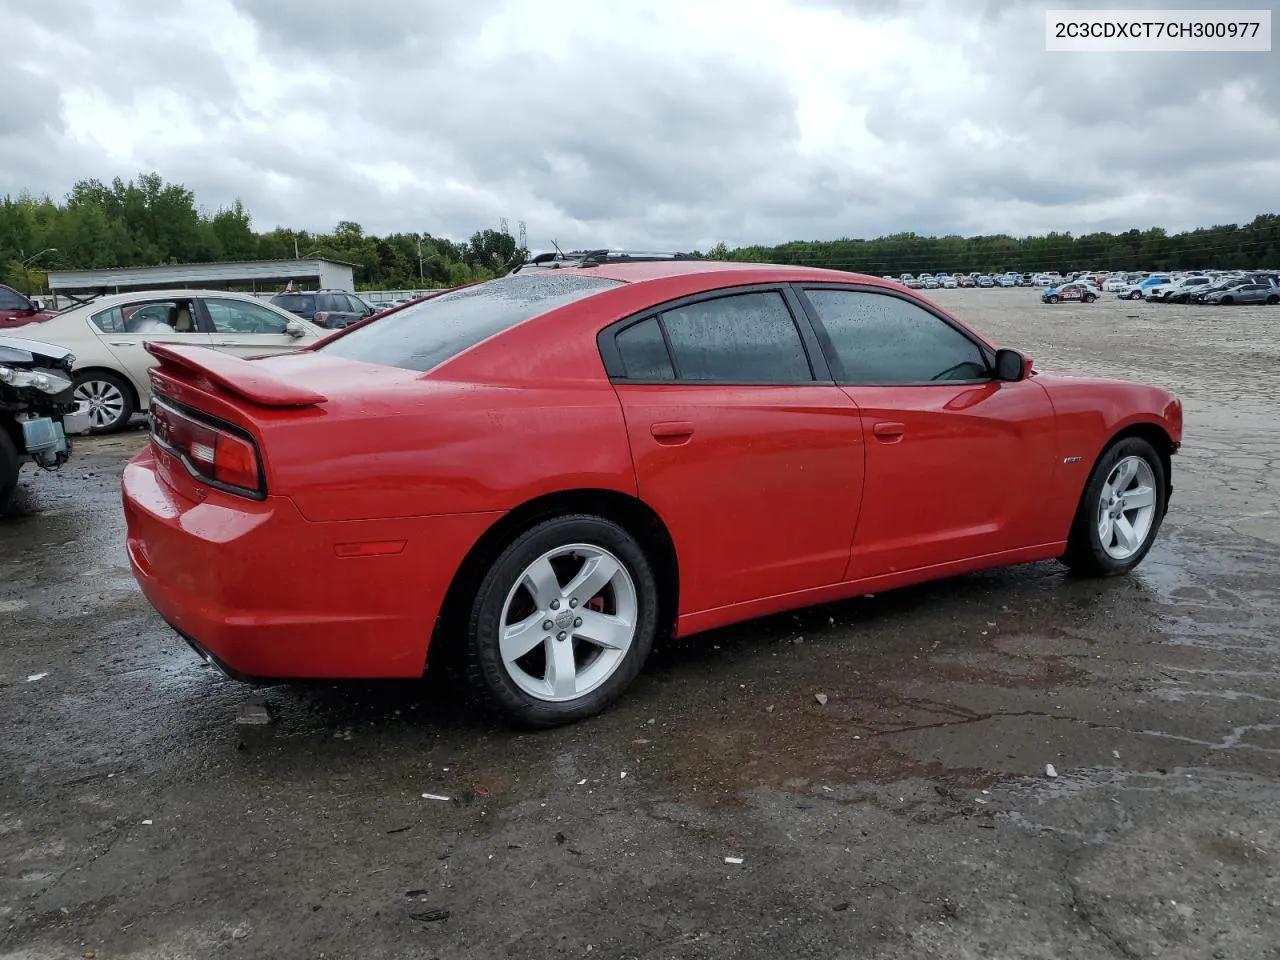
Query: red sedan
552 467
17 310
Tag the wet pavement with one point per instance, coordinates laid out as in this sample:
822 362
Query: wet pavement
911 816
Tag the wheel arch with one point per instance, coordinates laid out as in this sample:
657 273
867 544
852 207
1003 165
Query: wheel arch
447 640
1158 437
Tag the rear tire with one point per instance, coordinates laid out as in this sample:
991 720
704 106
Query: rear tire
545 651
1089 298
1136 295
9 464
1120 511
109 399
1273 300
1052 299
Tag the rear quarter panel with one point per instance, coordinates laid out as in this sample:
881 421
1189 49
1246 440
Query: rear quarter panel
411 445
1089 413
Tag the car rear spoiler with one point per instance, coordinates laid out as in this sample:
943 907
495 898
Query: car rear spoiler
235 375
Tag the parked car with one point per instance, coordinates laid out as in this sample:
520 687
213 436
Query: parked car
1181 291
639 396
986 281
1138 291
38 410
330 309
966 281
1075 290
108 337
949 283
1245 293
1202 295
17 310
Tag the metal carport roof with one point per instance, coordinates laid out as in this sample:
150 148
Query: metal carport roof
327 274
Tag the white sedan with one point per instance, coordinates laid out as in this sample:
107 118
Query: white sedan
107 336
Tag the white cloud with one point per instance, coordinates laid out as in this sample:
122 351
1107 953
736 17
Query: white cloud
670 124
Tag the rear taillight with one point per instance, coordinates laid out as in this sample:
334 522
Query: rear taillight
211 452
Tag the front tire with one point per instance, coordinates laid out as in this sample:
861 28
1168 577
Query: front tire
1051 299
109 400
1089 298
563 621
9 465
1120 511
1273 300
1136 295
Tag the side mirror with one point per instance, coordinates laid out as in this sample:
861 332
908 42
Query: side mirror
1012 365
294 329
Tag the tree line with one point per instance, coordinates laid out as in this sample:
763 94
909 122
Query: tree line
1255 245
147 221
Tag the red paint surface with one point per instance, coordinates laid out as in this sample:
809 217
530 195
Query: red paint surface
774 497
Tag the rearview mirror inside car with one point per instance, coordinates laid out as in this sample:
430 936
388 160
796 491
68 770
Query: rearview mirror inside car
1012 365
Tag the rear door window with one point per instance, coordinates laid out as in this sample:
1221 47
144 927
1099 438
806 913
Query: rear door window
302 304
743 338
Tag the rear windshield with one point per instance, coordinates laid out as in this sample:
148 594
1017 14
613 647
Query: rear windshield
296 302
423 336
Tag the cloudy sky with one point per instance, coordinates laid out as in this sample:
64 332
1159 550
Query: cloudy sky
666 124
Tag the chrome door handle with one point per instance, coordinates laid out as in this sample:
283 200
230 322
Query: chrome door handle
121 343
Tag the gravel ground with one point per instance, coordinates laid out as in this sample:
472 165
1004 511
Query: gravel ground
909 817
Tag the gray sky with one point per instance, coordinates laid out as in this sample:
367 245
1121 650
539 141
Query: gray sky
669 124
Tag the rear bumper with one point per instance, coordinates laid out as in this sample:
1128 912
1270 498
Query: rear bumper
261 593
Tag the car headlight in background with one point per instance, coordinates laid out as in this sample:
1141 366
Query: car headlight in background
45 380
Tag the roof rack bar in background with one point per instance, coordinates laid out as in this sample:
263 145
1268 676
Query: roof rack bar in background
594 258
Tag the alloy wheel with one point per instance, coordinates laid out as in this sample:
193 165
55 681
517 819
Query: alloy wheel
1127 508
103 399
568 622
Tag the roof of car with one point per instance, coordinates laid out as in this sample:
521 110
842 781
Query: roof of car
640 271
112 299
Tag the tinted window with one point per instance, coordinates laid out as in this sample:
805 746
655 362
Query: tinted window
145 318
887 340
744 338
426 334
644 352
240 316
303 304
12 300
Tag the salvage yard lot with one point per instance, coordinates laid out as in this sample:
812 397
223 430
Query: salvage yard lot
909 816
